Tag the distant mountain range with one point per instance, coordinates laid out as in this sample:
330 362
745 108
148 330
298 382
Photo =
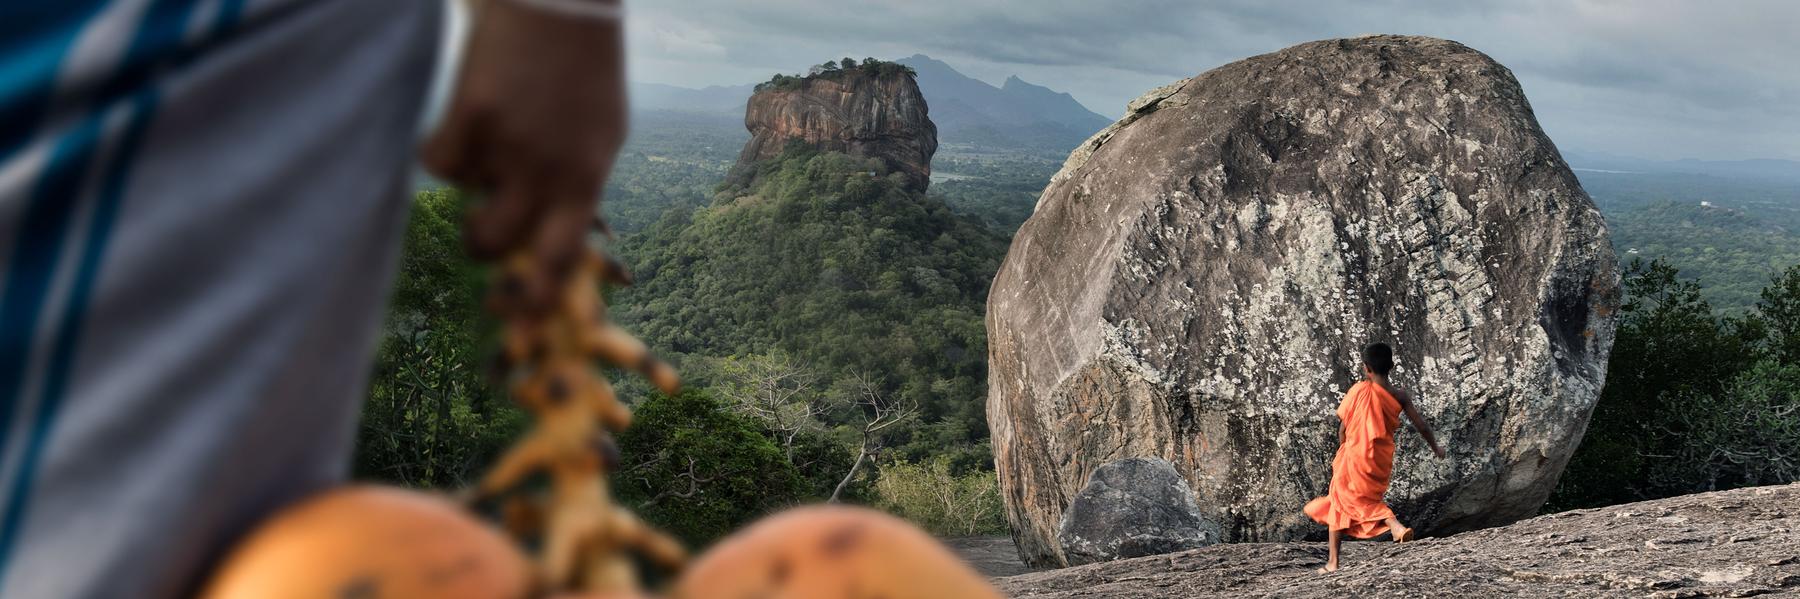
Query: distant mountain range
967 111
1016 114
711 100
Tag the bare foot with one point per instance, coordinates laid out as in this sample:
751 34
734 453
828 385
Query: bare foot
1329 568
1402 535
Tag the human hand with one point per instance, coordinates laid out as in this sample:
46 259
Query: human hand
1437 449
536 119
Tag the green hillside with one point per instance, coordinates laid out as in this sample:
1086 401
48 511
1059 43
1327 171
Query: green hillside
844 271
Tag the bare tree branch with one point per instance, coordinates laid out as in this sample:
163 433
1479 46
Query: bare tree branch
693 485
879 411
776 391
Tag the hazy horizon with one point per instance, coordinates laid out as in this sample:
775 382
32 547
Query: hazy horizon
1658 79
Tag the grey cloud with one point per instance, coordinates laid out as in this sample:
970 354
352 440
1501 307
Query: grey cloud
1661 78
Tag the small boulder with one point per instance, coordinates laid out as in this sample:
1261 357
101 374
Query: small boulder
1132 508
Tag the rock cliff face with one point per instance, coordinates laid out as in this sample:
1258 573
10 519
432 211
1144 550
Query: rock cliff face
1726 544
863 112
1198 279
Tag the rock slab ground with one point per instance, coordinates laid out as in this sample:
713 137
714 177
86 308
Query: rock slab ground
1132 508
1738 543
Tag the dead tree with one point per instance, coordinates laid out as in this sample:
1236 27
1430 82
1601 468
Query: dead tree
878 413
774 390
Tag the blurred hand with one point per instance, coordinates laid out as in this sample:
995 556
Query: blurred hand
535 121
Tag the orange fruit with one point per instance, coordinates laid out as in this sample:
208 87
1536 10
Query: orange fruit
369 542
831 552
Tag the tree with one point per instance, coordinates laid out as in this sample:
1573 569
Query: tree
848 63
772 389
878 412
1779 310
431 418
1746 435
1670 349
813 259
700 471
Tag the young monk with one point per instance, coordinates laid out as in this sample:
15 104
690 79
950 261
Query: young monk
1365 458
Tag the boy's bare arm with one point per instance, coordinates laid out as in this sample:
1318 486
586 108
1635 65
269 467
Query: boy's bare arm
1412 414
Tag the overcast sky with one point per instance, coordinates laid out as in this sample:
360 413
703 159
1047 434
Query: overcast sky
1659 79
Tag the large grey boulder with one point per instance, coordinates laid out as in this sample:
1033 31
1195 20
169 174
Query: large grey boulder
1132 508
1196 282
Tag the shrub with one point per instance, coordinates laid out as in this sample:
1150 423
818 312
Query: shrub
946 504
1693 401
699 471
1670 344
1747 435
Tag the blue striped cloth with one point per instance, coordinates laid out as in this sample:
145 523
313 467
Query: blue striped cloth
200 203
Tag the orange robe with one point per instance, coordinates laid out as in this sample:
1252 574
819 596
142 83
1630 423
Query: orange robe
1365 460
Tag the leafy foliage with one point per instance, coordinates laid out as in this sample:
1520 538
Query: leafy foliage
699 471
645 186
935 497
773 390
1693 401
822 458
1779 309
833 69
431 418
831 261
1733 253
1748 434
861 287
